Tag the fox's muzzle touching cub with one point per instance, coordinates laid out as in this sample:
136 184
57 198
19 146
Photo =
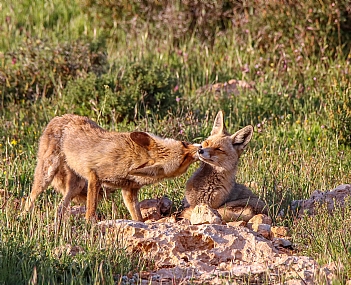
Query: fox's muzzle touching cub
214 183
77 157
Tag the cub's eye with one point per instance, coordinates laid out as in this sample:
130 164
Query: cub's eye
205 144
219 149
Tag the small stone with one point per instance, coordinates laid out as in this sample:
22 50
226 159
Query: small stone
252 185
260 219
262 229
203 214
223 266
145 275
150 209
237 224
281 242
154 209
171 219
165 205
280 231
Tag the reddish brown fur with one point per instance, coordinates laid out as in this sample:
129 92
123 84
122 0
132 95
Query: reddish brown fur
214 182
77 157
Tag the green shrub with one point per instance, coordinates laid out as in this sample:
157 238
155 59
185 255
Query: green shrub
153 84
139 86
41 69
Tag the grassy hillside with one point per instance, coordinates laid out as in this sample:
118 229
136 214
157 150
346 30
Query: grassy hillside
137 65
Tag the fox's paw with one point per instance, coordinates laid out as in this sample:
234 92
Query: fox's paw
184 214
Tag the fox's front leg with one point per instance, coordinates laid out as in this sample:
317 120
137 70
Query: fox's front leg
130 198
94 186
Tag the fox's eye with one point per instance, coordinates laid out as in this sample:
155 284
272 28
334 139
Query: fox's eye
218 148
205 144
185 144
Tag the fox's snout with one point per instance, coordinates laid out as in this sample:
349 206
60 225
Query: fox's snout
204 153
195 150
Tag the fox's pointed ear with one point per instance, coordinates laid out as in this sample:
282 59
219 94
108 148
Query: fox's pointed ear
219 126
142 139
242 137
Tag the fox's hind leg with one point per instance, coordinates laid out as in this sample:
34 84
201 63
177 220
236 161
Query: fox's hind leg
258 206
45 171
230 214
242 209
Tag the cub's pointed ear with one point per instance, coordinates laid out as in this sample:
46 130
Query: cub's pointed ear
242 137
142 139
219 126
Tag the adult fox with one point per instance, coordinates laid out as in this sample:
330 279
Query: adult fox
214 182
77 157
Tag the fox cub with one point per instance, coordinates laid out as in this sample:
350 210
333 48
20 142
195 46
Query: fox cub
77 157
214 182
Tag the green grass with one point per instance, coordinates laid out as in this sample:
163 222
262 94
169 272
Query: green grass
300 106
32 245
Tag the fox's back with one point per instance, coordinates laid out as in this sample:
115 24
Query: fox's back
119 158
86 146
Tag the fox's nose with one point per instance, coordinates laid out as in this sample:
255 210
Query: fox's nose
200 151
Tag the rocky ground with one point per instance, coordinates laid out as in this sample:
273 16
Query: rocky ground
332 198
205 250
213 254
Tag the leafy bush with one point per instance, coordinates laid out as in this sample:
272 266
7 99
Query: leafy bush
139 86
41 69
154 84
